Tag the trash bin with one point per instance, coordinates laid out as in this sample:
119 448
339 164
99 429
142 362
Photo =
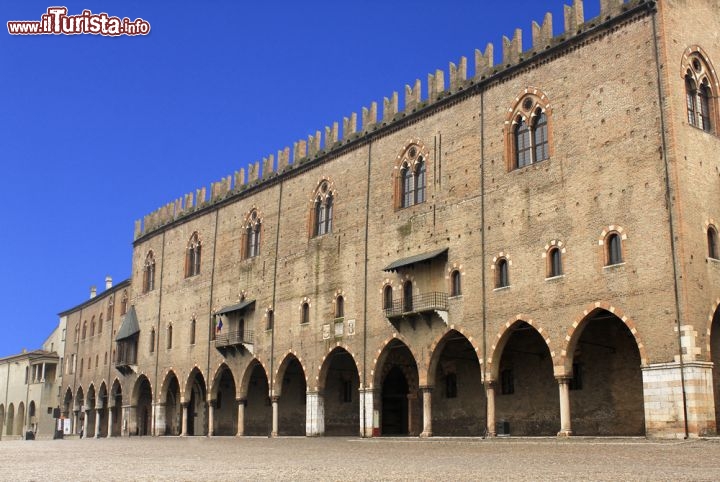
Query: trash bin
29 435
58 435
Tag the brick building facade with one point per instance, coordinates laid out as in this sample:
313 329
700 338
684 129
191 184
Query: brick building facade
532 248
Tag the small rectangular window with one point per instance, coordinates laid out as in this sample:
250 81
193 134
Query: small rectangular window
576 380
507 382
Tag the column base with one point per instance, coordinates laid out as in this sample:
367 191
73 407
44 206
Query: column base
565 433
425 434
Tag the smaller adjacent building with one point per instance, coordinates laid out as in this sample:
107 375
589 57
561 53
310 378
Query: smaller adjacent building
29 388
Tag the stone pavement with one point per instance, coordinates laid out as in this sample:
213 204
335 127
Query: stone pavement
326 458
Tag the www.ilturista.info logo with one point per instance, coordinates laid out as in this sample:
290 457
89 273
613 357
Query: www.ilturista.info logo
57 22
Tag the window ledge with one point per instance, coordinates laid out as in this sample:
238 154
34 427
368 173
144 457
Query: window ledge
456 297
502 288
554 278
616 265
712 260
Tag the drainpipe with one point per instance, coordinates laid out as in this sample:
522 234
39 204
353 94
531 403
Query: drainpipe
365 303
669 200
156 339
5 407
483 248
271 379
210 324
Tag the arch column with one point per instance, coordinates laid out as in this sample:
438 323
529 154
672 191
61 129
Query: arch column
565 424
314 414
85 423
369 415
490 395
427 411
184 405
97 423
274 399
211 417
110 422
241 402
160 419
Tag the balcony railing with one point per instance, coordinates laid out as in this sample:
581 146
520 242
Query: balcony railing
233 338
422 303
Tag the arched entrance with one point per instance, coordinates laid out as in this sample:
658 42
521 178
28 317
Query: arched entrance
142 400
458 395
400 406
339 383
172 407
225 406
79 410
606 390
20 419
291 390
2 419
195 395
116 402
527 401
90 407
715 359
32 416
102 407
67 404
258 411
10 419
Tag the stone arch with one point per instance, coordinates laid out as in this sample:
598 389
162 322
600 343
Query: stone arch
290 394
79 398
2 419
454 382
244 384
338 385
169 411
708 331
20 422
320 379
498 344
10 419
713 355
195 396
254 393
437 346
102 404
602 362
222 396
90 406
282 367
67 403
115 402
397 375
563 365
141 399
376 376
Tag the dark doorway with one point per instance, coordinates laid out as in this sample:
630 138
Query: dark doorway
395 403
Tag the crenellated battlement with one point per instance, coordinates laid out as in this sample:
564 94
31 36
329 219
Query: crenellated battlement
436 88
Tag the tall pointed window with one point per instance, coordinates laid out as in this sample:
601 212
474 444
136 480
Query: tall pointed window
407 296
712 242
192 331
554 262
339 307
111 307
614 249
323 203
193 254
387 297
700 80
152 340
251 235
149 273
502 275
124 303
455 287
411 178
169 336
528 138
305 313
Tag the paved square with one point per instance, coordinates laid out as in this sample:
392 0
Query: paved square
230 458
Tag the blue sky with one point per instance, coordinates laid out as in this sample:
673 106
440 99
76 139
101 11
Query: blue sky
96 132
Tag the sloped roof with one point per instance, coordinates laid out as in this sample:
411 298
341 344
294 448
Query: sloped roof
418 258
129 325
